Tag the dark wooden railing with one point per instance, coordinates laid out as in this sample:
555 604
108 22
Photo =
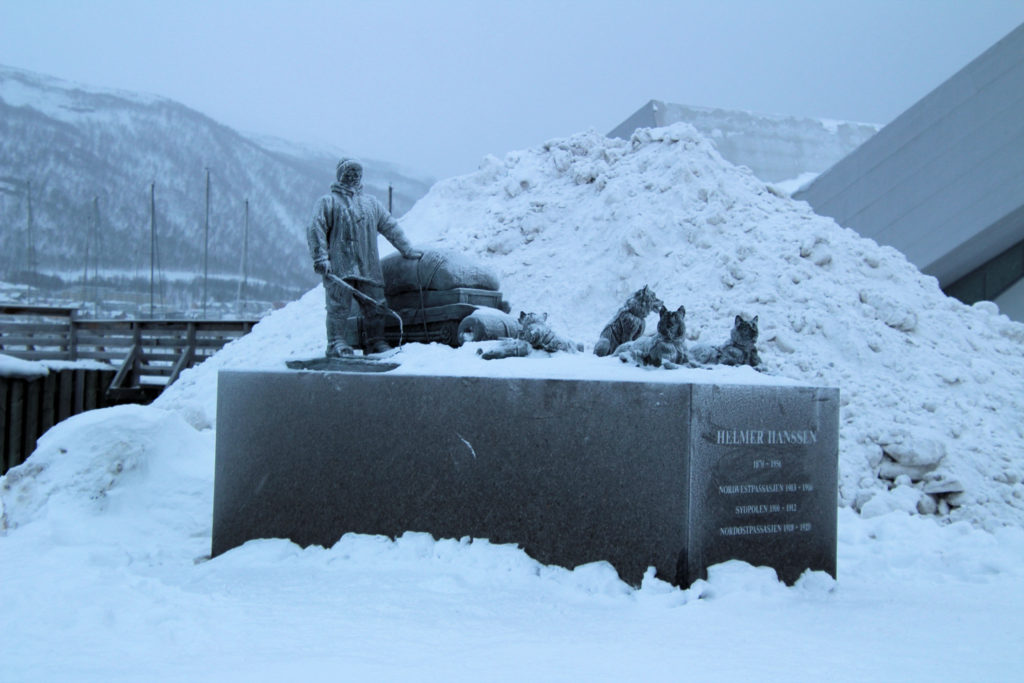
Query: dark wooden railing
31 405
142 357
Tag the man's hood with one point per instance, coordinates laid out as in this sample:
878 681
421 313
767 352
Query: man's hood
342 187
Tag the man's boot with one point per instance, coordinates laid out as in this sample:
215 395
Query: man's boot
337 344
379 346
338 350
374 326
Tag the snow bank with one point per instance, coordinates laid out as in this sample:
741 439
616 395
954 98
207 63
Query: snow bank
123 462
931 388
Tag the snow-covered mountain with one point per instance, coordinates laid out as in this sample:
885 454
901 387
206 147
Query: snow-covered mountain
74 143
778 149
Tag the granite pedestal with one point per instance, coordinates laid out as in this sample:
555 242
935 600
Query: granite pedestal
672 476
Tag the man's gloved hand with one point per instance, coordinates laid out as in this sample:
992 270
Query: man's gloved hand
413 254
322 267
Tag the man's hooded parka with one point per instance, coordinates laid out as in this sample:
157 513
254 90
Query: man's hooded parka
344 227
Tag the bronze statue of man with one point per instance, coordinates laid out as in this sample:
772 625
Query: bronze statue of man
342 238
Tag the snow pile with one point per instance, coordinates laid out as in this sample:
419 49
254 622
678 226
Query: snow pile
115 464
931 389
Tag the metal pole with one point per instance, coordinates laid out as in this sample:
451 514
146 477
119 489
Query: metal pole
85 270
3 212
96 257
95 240
28 232
390 195
206 241
245 256
152 241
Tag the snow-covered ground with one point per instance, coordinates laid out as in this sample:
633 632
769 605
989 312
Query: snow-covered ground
106 528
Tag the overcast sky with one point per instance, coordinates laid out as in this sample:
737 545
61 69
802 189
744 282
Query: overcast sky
437 85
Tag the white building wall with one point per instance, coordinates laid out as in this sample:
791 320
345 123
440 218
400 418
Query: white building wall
944 182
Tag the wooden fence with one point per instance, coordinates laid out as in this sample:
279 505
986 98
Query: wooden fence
28 407
142 357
